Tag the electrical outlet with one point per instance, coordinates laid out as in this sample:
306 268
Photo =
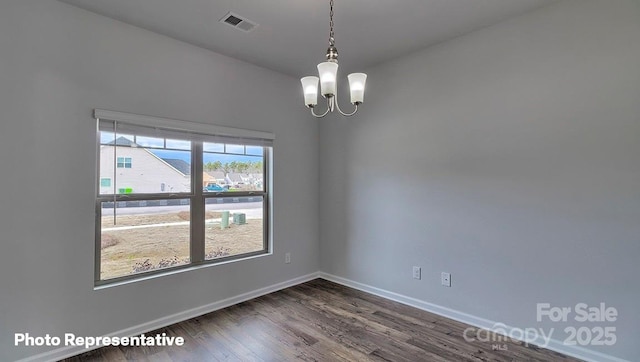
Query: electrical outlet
287 258
446 279
417 271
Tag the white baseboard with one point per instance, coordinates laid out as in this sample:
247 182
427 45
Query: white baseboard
65 352
554 345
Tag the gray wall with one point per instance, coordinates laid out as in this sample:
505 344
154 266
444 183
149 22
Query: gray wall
57 63
509 157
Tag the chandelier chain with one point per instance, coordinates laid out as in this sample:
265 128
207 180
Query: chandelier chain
332 40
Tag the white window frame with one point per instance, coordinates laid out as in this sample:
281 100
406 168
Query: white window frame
124 162
106 178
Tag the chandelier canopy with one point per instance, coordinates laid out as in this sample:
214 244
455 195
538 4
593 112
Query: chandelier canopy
328 80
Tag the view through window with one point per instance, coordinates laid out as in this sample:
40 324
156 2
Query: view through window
170 199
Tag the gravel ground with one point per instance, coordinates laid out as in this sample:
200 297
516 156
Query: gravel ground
123 249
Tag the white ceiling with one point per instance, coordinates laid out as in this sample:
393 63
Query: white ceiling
292 34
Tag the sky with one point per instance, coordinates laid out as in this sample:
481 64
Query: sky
216 149
208 157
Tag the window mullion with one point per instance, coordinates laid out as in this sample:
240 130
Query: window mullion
196 245
266 199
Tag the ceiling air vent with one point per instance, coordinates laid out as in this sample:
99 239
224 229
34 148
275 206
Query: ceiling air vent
238 22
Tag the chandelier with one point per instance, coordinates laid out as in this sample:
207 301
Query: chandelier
328 85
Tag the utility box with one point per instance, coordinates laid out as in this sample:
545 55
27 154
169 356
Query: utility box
239 218
224 220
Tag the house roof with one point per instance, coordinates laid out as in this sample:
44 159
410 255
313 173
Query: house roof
179 165
216 174
122 141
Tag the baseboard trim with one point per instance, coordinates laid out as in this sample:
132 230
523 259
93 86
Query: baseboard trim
554 345
65 352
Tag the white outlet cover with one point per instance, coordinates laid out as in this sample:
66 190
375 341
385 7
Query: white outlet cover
417 271
446 279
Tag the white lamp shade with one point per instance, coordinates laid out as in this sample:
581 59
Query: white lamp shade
310 89
328 72
356 86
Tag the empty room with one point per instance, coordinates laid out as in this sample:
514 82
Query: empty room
320 180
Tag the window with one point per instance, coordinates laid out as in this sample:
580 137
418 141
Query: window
199 195
124 162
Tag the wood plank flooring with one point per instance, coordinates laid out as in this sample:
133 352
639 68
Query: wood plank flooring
320 321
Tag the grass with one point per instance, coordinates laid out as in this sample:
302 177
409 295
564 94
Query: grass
158 243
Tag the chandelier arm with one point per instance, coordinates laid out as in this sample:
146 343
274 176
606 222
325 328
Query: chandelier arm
343 113
319 115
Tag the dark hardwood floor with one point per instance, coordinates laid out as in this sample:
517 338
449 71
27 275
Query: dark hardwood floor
321 321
